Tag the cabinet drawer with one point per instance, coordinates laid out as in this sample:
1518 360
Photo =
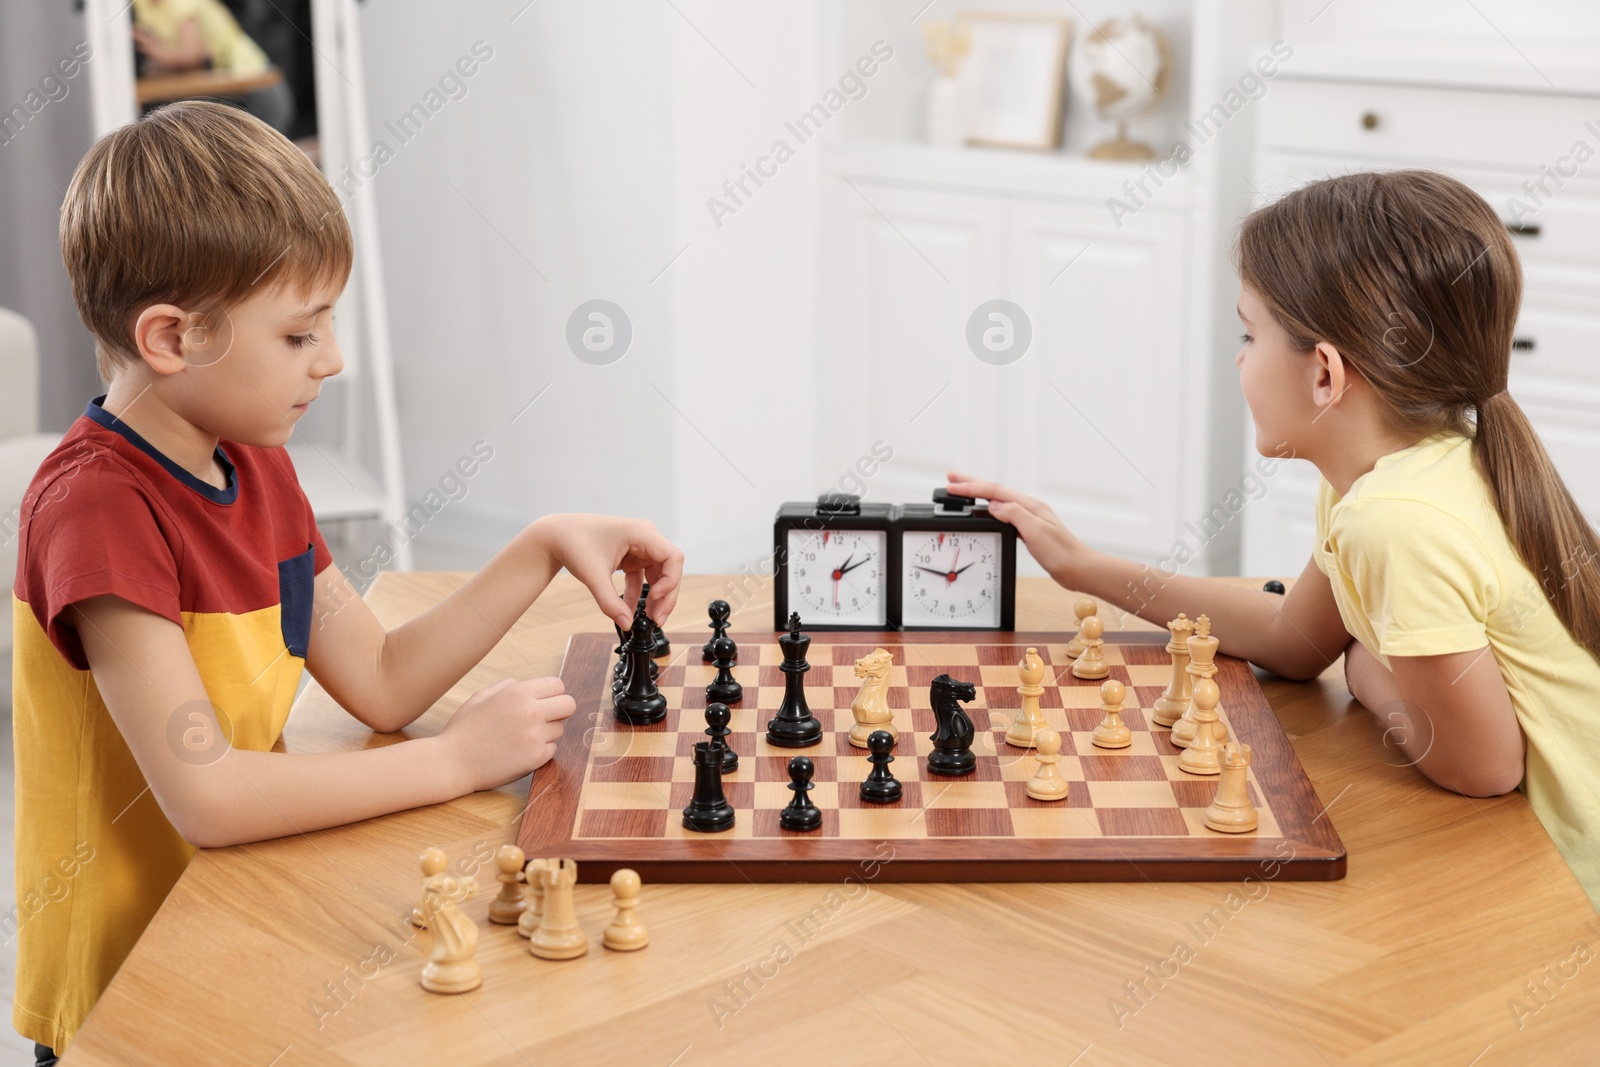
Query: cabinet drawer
1555 357
1418 126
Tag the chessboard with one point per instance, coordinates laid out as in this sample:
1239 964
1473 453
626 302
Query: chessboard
614 794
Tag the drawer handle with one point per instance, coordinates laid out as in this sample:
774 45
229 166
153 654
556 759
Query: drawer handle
1369 120
1524 229
1522 344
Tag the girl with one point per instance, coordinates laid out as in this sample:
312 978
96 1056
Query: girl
1452 568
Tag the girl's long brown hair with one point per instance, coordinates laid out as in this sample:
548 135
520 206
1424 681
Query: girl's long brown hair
1412 277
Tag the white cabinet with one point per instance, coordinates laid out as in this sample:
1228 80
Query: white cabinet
1091 418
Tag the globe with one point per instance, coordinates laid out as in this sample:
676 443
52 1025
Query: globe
1122 67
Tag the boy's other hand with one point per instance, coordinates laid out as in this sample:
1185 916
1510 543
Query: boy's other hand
1049 541
505 730
594 547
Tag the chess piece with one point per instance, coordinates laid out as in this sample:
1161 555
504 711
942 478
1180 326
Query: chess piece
1030 720
508 907
626 933
559 936
660 645
1112 731
880 786
724 688
451 967
719 612
717 716
794 726
1083 609
1091 665
1201 754
1202 652
1170 706
1047 782
619 670
433 862
1231 812
533 874
641 702
800 815
952 754
1274 586
709 811
871 705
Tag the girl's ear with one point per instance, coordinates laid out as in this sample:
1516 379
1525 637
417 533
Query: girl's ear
1330 376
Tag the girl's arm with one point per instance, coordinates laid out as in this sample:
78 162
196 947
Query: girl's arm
1451 716
216 795
1295 636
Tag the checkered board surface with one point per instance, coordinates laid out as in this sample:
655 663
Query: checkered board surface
1128 811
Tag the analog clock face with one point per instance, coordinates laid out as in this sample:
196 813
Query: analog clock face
950 579
839 576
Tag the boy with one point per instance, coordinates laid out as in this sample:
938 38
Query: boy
168 561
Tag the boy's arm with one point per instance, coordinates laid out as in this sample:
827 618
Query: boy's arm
1295 636
387 679
217 795
1451 715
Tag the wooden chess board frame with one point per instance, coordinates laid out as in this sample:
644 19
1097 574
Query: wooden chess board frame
1146 825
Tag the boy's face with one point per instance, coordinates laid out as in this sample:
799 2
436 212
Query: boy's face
252 377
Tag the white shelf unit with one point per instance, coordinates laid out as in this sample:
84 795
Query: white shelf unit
1125 413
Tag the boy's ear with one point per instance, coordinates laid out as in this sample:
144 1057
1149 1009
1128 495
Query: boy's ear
1330 375
158 337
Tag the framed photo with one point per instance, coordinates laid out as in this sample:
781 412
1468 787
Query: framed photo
1013 80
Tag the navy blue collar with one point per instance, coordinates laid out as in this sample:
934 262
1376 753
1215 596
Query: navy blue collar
99 414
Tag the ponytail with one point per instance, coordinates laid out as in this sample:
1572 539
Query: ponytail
1542 520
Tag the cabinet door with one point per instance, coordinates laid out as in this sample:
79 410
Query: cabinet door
905 270
1094 415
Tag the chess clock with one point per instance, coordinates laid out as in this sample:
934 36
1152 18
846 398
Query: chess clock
957 567
833 564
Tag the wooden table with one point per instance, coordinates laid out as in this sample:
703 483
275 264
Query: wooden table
293 952
159 88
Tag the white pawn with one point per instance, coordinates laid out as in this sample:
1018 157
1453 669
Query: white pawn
1047 782
626 933
508 907
533 873
433 863
1082 609
1091 666
1201 755
1112 731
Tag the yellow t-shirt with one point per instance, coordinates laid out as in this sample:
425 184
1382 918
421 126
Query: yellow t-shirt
231 48
1421 565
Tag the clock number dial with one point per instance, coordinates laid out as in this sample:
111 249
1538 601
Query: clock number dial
839 576
950 579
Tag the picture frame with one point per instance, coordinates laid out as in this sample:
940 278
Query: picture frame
1014 79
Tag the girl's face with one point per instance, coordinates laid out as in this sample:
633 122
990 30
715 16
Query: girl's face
1276 380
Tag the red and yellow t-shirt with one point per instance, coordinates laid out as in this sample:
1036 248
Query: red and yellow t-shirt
108 514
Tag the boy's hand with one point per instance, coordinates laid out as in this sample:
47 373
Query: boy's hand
505 730
594 547
1049 541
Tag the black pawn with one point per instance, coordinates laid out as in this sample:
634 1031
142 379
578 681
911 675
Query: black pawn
719 612
663 647
717 716
619 673
801 814
794 726
641 703
725 687
881 786
709 811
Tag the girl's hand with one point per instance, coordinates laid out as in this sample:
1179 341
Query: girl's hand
1058 551
594 547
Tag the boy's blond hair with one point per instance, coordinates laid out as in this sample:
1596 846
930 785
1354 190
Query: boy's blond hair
196 204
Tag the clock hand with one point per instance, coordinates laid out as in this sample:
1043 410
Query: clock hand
847 569
967 567
930 570
951 576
